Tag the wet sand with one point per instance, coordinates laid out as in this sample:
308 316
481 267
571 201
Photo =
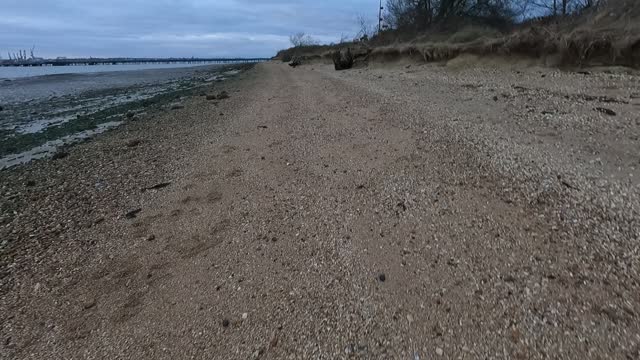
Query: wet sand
379 213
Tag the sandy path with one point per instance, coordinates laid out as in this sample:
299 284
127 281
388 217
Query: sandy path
489 227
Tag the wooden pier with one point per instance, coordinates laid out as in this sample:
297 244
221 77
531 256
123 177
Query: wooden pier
123 61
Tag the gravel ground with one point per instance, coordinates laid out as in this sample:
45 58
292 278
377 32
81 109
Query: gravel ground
411 212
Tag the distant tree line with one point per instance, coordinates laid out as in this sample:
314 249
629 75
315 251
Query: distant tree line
421 14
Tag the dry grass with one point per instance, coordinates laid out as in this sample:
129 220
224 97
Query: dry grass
610 36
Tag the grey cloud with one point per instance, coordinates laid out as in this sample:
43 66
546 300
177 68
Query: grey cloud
172 27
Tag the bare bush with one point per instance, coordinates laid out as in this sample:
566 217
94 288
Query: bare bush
342 60
301 39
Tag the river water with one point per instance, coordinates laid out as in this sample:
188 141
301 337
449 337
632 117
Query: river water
38 114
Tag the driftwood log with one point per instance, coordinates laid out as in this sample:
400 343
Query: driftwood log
342 60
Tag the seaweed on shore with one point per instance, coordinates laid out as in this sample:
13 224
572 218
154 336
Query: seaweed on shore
13 143
22 142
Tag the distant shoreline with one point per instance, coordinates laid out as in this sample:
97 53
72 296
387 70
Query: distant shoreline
28 72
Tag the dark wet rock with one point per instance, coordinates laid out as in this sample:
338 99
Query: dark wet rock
211 97
132 214
606 111
60 155
225 323
130 114
133 142
262 127
382 277
223 95
151 237
495 98
30 183
176 106
1 108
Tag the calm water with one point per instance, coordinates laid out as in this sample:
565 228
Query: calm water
15 72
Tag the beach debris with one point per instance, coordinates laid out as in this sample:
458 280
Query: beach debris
176 106
262 127
606 111
88 304
158 186
382 277
133 213
342 60
223 95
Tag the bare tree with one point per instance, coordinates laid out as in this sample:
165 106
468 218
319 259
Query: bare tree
301 39
365 28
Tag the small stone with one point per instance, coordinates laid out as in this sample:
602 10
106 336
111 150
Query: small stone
132 214
151 237
274 341
225 323
606 111
495 98
245 316
382 277
439 351
133 142
89 304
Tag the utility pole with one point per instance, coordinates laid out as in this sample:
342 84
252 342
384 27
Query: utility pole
380 17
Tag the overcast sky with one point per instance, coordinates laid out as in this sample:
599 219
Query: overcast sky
163 28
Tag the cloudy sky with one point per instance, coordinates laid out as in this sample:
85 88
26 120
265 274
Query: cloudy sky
163 28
